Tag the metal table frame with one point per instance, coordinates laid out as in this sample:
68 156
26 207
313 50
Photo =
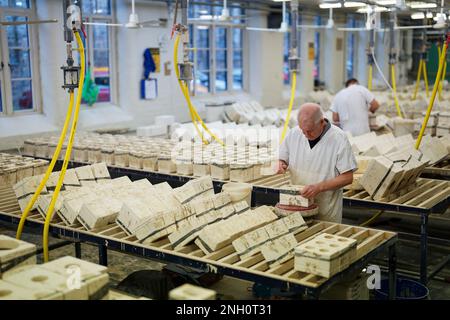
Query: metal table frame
105 243
270 196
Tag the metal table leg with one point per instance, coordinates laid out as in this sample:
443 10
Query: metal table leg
78 249
102 255
424 248
392 271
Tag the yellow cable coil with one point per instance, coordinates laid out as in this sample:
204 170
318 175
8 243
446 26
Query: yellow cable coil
394 87
291 103
49 215
433 96
425 77
193 111
49 169
419 73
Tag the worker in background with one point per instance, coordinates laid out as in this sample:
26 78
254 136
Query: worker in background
319 157
351 108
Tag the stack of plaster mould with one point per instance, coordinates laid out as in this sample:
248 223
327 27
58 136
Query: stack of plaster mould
115 150
443 126
388 173
325 255
77 181
252 113
322 97
15 253
292 202
387 164
14 168
161 127
56 280
275 240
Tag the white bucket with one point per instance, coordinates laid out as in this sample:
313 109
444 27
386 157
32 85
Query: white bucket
239 191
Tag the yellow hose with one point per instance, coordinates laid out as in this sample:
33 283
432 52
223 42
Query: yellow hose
394 87
291 103
440 83
49 215
55 157
433 96
184 89
372 219
369 83
425 77
419 73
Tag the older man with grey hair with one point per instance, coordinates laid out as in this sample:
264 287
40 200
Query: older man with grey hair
319 157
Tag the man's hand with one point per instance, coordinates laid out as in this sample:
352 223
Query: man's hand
282 167
311 191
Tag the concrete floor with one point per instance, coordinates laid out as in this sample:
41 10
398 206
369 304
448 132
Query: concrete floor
120 265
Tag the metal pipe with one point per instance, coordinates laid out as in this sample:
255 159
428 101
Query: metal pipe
184 13
294 23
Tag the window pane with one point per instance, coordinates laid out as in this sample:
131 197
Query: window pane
103 7
202 84
287 44
20 63
22 95
221 38
237 59
101 58
196 11
20 3
88 7
237 79
17 35
237 38
202 40
316 71
203 59
101 39
234 12
221 59
221 81
3 3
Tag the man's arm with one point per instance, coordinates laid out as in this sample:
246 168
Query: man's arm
282 167
336 118
340 181
374 105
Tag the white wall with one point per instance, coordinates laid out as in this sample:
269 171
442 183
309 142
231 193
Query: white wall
263 56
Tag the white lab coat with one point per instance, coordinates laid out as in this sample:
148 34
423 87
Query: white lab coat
352 104
330 157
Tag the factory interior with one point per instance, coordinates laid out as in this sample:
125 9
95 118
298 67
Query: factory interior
224 150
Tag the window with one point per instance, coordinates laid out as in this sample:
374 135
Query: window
318 22
350 55
25 4
218 50
18 88
98 47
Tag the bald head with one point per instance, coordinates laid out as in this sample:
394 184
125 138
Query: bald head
310 120
310 112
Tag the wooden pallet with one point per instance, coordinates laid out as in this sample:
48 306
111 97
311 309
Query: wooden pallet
424 193
368 240
441 168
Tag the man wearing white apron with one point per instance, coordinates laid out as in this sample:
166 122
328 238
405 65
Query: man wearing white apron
319 157
351 108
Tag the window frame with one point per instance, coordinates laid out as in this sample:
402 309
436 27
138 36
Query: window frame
112 37
212 55
5 73
351 22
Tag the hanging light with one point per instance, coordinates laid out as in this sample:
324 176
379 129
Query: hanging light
418 16
354 4
422 5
